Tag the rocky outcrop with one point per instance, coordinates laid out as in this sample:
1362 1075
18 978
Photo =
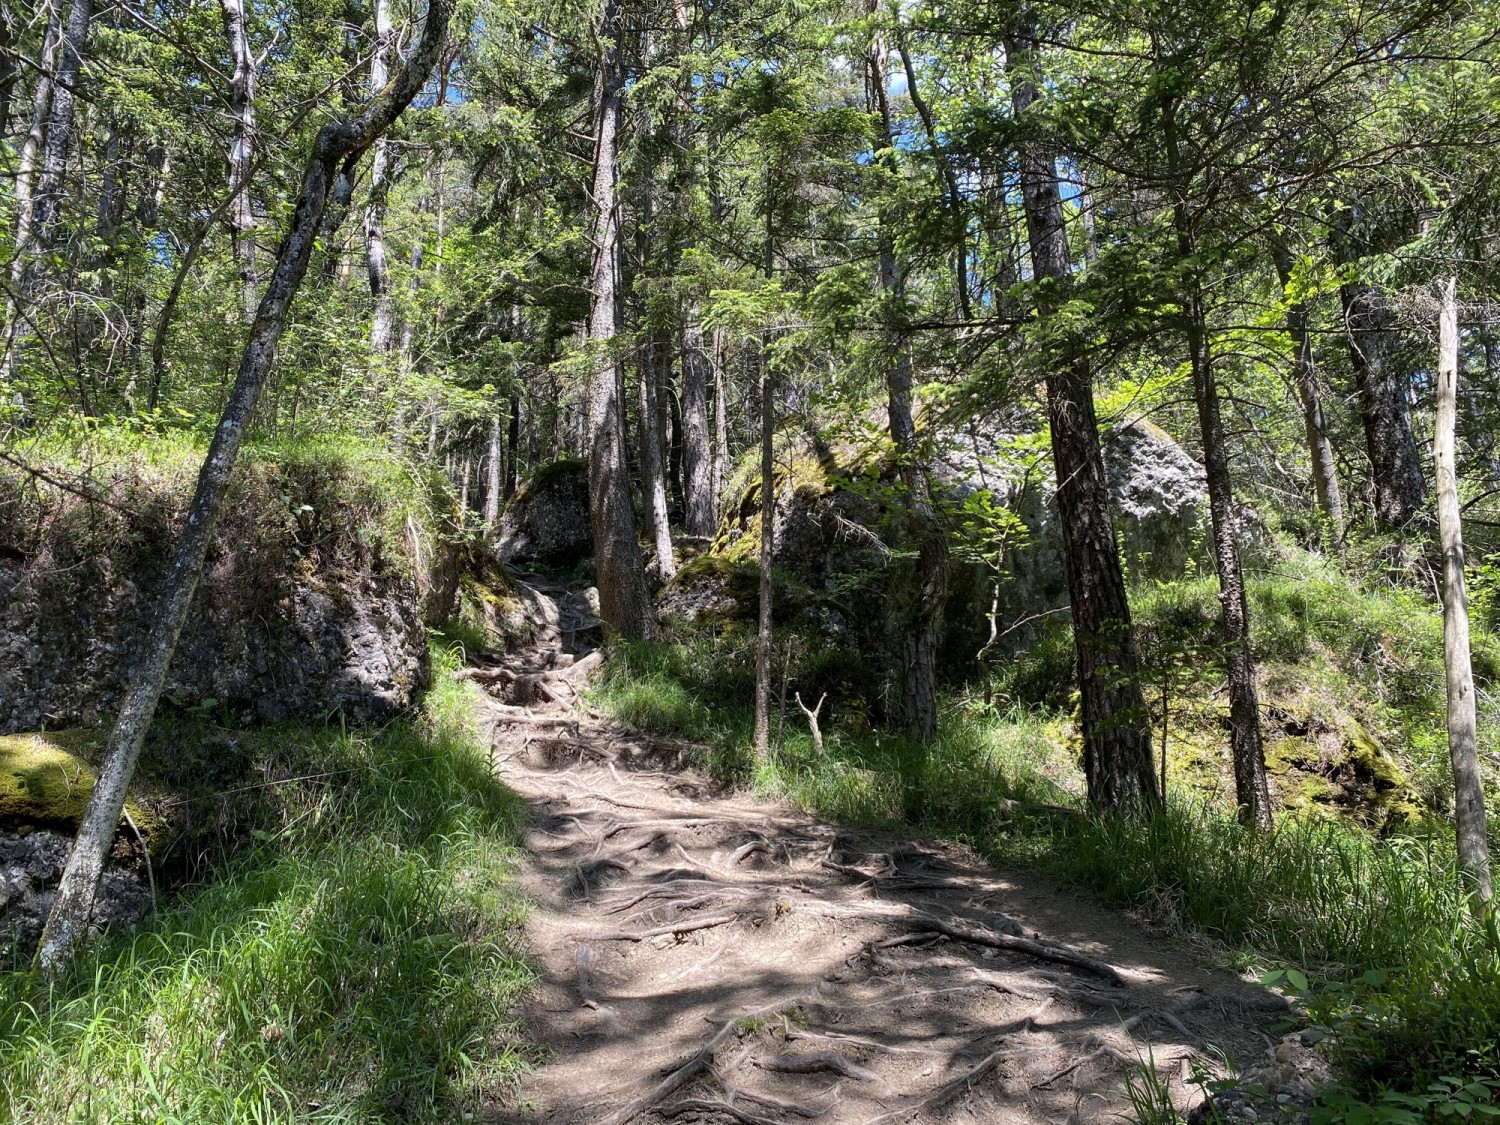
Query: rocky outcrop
546 522
308 603
839 537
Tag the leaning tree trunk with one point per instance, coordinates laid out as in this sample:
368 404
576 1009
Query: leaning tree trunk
1463 743
241 152
68 922
1314 421
383 318
1395 464
1117 752
624 601
922 614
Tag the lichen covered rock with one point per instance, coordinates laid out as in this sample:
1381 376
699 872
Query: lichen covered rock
547 520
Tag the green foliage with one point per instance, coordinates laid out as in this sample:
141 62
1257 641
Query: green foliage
359 962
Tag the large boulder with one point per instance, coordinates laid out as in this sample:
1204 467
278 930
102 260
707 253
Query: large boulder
308 604
546 522
842 555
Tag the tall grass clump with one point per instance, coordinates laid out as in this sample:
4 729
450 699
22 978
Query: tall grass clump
358 962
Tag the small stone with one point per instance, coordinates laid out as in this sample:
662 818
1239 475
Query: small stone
1313 1036
1283 1099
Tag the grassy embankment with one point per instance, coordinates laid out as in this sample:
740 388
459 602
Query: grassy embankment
345 947
1377 922
358 960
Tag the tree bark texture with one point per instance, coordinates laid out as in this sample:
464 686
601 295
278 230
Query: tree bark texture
1395 464
653 478
46 204
68 922
241 152
763 627
624 602
1463 740
1112 710
494 474
697 460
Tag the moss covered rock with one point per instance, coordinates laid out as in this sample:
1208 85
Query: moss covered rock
46 780
547 520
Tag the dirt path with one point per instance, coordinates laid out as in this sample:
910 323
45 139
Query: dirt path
710 958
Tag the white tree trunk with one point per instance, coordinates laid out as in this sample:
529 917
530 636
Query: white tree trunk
241 152
1463 749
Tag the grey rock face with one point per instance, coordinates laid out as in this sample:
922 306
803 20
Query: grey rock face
292 617
31 865
547 521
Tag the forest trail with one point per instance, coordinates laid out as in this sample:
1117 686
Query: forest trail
706 957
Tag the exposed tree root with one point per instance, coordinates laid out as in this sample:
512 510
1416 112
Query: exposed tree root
946 1092
815 1061
677 929
689 1070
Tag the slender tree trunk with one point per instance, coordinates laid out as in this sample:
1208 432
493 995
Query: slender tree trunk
721 417
1116 727
68 922
653 482
46 206
241 152
697 460
1252 791
923 612
513 441
1395 464
26 165
1315 424
494 474
382 319
1463 741
953 195
763 630
624 601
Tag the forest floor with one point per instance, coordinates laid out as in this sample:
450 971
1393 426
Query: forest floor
708 957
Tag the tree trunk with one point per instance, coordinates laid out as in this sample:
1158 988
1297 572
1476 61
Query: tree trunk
241 152
1315 424
1463 742
46 206
71 909
697 461
382 319
763 633
653 482
494 475
1252 792
922 611
1395 464
1112 711
513 442
721 417
624 601
25 175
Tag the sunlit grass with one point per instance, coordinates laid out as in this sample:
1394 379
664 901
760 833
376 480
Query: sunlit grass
359 963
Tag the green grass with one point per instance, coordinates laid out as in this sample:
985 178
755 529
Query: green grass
360 961
1380 926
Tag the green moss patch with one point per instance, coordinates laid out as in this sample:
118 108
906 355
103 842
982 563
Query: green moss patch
46 781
